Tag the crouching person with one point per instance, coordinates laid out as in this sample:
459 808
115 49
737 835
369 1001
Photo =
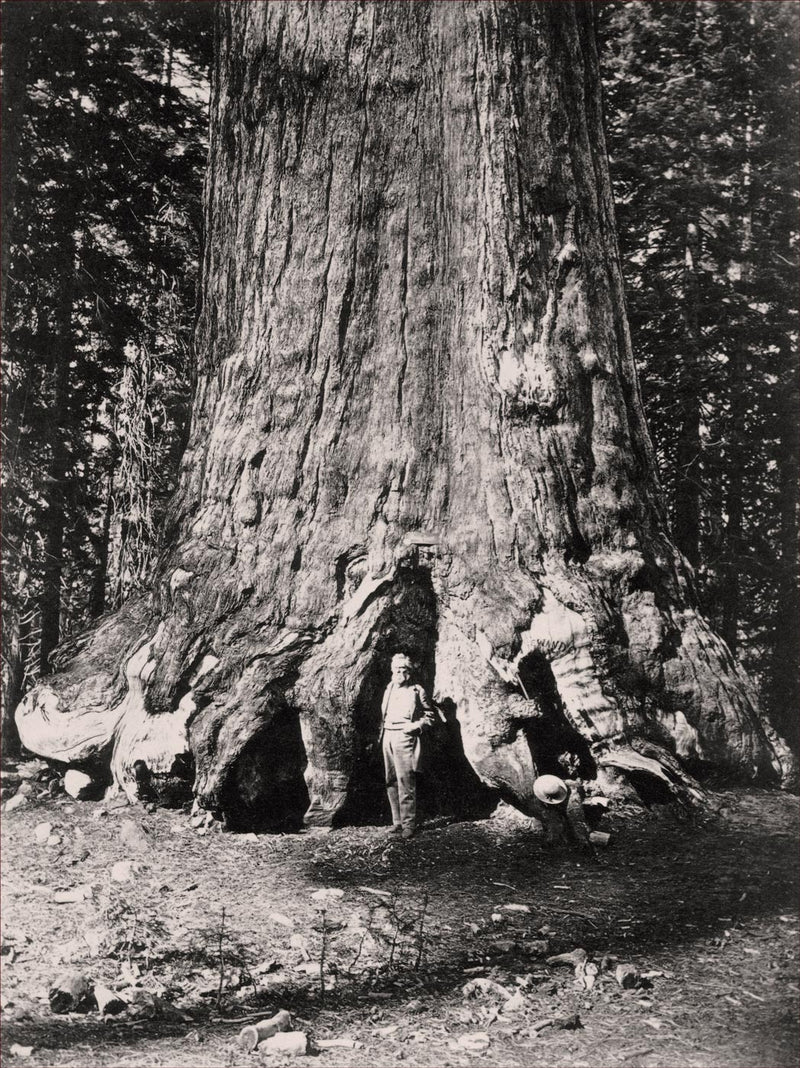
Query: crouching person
406 712
558 806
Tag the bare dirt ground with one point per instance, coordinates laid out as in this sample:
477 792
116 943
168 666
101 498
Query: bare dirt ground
706 909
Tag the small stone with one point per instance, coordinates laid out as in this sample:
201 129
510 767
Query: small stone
77 784
599 838
516 1003
123 871
538 947
16 802
54 840
327 895
502 946
41 832
133 836
475 1042
74 895
628 976
96 938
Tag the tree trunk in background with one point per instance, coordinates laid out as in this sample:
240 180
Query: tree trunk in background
62 352
785 680
16 37
97 603
686 509
417 425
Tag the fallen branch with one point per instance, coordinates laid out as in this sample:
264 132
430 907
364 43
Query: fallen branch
567 912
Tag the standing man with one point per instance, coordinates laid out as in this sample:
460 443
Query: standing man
406 712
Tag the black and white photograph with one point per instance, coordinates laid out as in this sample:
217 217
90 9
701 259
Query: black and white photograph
400 512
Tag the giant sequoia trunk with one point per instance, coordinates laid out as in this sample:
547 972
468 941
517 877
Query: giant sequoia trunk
417 425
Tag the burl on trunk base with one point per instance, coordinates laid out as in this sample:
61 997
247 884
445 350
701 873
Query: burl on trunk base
417 426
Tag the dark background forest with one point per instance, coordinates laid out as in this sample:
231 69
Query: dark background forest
104 143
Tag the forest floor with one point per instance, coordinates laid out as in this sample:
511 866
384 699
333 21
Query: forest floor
707 910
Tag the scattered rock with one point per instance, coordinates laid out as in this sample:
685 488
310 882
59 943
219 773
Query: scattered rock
501 946
54 840
250 1036
628 976
279 918
485 986
78 784
97 939
311 967
536 948
568 1023
41 832
291 1043
124 871
475 1042
576 957
133 835
84 892
327 895
20 1051
516 1003
71 993
300 942
516 908
599 838
15 802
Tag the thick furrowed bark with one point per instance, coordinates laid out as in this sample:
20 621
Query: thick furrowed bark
417 425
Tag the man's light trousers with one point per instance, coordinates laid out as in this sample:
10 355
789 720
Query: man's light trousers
400 761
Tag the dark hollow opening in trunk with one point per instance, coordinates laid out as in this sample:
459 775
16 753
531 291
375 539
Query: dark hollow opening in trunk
409 626
266 791
446 783
556 747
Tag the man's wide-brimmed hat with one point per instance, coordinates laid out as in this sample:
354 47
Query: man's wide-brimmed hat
550 790
401 660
